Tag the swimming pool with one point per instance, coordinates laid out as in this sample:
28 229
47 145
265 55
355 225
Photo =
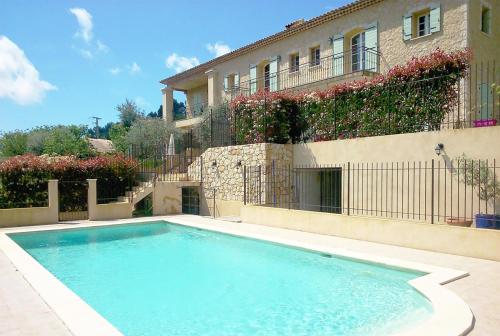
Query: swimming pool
164 279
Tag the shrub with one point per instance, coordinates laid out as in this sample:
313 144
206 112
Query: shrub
413 97
23 179
267 117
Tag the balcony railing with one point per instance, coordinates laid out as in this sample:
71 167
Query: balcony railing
190 111
338 65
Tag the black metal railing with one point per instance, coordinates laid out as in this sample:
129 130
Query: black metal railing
429 104
459 191
24 192
291 77
191 110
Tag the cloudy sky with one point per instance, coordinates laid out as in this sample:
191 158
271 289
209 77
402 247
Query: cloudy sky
63 62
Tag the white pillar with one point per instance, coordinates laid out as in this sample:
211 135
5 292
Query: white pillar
213 90
168 104
92 199
54 200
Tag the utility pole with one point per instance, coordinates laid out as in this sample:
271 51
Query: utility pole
97 126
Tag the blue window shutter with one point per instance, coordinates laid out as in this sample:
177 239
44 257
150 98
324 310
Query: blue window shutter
485 101
407 27
273 74
338 55
435 19
237 80
371 44
253 79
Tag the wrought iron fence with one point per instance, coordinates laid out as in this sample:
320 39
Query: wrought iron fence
192 109
364 61
459 191
407 107
73 200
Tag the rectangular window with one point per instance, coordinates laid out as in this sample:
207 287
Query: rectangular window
315 56
486 20
423 25
294 62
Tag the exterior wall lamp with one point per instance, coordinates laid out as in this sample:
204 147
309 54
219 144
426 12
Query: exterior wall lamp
214 163
238 164
439 148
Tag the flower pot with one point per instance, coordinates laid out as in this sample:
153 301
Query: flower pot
457 221
485 122
488 221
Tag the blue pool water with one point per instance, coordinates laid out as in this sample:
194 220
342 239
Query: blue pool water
154 279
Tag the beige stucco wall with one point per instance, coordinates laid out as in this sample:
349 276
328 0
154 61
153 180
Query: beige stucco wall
33 216
193 105
477 143
108 211
394 50
477 243
392 174
167 197
485 47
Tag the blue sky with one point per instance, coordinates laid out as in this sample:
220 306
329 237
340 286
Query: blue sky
63 62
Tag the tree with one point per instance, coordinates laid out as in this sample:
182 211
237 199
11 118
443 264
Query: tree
129 112
13 143
103 131
150 132
158 114
67 140
118 135
37 138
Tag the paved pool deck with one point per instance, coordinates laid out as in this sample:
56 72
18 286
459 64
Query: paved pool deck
24 312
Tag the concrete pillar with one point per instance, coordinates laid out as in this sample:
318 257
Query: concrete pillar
213 91
92 199
168 104
53 189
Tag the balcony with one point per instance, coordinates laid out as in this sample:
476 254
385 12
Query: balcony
347 66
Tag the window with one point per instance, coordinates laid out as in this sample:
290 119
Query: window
486 19
294 62
315 56
267 77
423 24
358 51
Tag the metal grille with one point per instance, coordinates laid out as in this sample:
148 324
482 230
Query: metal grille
73 202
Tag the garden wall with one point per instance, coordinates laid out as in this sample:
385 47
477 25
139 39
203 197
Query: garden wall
477 143
433 237
34 215
115 210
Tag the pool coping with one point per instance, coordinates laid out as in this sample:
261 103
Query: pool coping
452 316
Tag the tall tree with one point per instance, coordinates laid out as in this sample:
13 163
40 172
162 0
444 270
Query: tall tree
68 140
129 112
13 143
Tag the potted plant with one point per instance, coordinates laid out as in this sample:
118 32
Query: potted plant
459 221
483 179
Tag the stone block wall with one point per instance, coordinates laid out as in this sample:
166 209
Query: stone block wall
222 168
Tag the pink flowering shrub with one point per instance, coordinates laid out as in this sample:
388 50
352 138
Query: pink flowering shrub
23 179
267 117
413 97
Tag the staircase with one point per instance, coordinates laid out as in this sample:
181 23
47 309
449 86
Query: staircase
138 193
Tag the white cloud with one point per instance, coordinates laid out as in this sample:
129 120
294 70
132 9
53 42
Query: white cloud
85 22
218 48
181 63
86 53
115 71
19 79
102 47
134 68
